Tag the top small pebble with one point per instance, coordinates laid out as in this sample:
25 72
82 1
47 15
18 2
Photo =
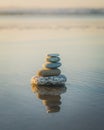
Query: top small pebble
52 54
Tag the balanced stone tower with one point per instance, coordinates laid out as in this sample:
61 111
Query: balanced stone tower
50 74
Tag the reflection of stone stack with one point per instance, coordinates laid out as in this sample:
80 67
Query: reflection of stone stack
50 96
52 103
50 74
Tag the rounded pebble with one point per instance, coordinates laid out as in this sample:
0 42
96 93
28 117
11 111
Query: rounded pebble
51 72
51 65
53 59
53 54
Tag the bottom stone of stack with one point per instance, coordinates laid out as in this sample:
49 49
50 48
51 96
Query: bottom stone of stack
51 80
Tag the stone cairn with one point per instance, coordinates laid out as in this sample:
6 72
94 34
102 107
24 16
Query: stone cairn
50 74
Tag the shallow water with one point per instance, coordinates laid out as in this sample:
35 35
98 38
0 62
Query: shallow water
24 43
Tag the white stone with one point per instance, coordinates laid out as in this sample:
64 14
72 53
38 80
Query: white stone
50 80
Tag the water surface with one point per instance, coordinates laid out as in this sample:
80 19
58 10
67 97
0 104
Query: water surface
24 43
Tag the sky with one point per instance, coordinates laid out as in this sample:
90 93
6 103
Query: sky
51 3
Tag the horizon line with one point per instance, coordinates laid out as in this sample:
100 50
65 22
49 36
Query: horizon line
60 8
51 8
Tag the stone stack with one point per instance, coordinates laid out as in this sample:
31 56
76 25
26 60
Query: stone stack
50 67
50 74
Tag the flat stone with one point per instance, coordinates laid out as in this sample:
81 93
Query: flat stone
51 80
52 65
54 54
50 72
53 59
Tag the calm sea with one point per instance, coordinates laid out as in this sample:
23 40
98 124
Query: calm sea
24 43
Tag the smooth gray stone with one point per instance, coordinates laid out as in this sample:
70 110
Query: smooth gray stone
53 59
49 72
52 65
54 54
